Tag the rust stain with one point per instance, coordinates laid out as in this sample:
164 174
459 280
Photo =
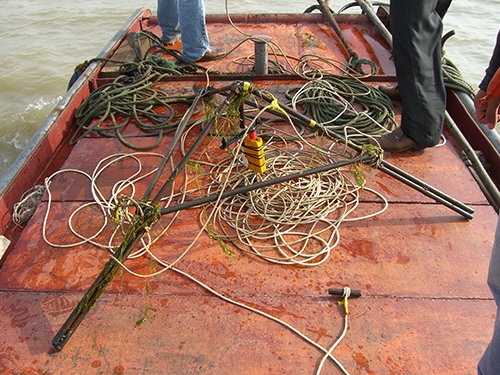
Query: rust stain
402 259
321 332
220 269
385 188
7 356
362 363
21 316
362 248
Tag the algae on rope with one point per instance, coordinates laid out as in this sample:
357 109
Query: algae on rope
356 168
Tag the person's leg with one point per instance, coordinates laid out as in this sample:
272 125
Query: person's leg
417 31
195 41
168 19
490 361
442 7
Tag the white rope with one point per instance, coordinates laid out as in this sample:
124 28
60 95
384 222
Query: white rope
289 218
345 296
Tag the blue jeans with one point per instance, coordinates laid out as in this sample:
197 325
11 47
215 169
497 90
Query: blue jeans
490 362
185 18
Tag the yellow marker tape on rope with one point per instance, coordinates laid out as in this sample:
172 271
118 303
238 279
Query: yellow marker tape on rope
347 293
274 105
345 304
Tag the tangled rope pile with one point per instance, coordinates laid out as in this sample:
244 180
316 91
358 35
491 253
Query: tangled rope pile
110 108
295 222
26 207
331 102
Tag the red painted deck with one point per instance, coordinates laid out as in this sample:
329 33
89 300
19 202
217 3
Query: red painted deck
421 267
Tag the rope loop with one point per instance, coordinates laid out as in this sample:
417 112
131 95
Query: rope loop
345 295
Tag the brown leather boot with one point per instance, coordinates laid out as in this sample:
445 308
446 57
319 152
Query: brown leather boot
391 91
397 141
213 54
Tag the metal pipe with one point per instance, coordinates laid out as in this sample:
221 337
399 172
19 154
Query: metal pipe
109 270
384 166
491 134
178 133
370 12
245 189
427 190
261 54
325 10
482 177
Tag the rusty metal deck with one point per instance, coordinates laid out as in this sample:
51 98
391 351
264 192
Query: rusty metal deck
421 267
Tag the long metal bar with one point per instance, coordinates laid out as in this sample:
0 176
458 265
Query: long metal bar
194 146
417 185
325 10
245 189
112 266
477 169
420 185
178 133
370 12
395 172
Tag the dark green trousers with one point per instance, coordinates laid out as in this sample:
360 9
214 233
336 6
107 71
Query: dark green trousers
417 30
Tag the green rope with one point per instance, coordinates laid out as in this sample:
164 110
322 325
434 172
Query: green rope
453 78
131 96
322 102
108 110
357 65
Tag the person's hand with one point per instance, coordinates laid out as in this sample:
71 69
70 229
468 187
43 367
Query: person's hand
487 111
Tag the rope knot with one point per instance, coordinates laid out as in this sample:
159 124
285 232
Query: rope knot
274 105
345 296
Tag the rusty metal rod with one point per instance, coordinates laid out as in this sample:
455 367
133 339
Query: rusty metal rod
245 189
367 7
384 166
107 274
178 132
325 10
476 168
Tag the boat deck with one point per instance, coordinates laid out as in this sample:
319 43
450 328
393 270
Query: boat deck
421 267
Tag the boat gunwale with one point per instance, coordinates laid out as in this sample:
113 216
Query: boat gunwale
290 18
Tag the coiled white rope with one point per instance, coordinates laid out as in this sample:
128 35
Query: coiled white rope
296 222
26 207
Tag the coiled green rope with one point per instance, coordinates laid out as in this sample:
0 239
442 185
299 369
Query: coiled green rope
453 79
350 104
109 109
